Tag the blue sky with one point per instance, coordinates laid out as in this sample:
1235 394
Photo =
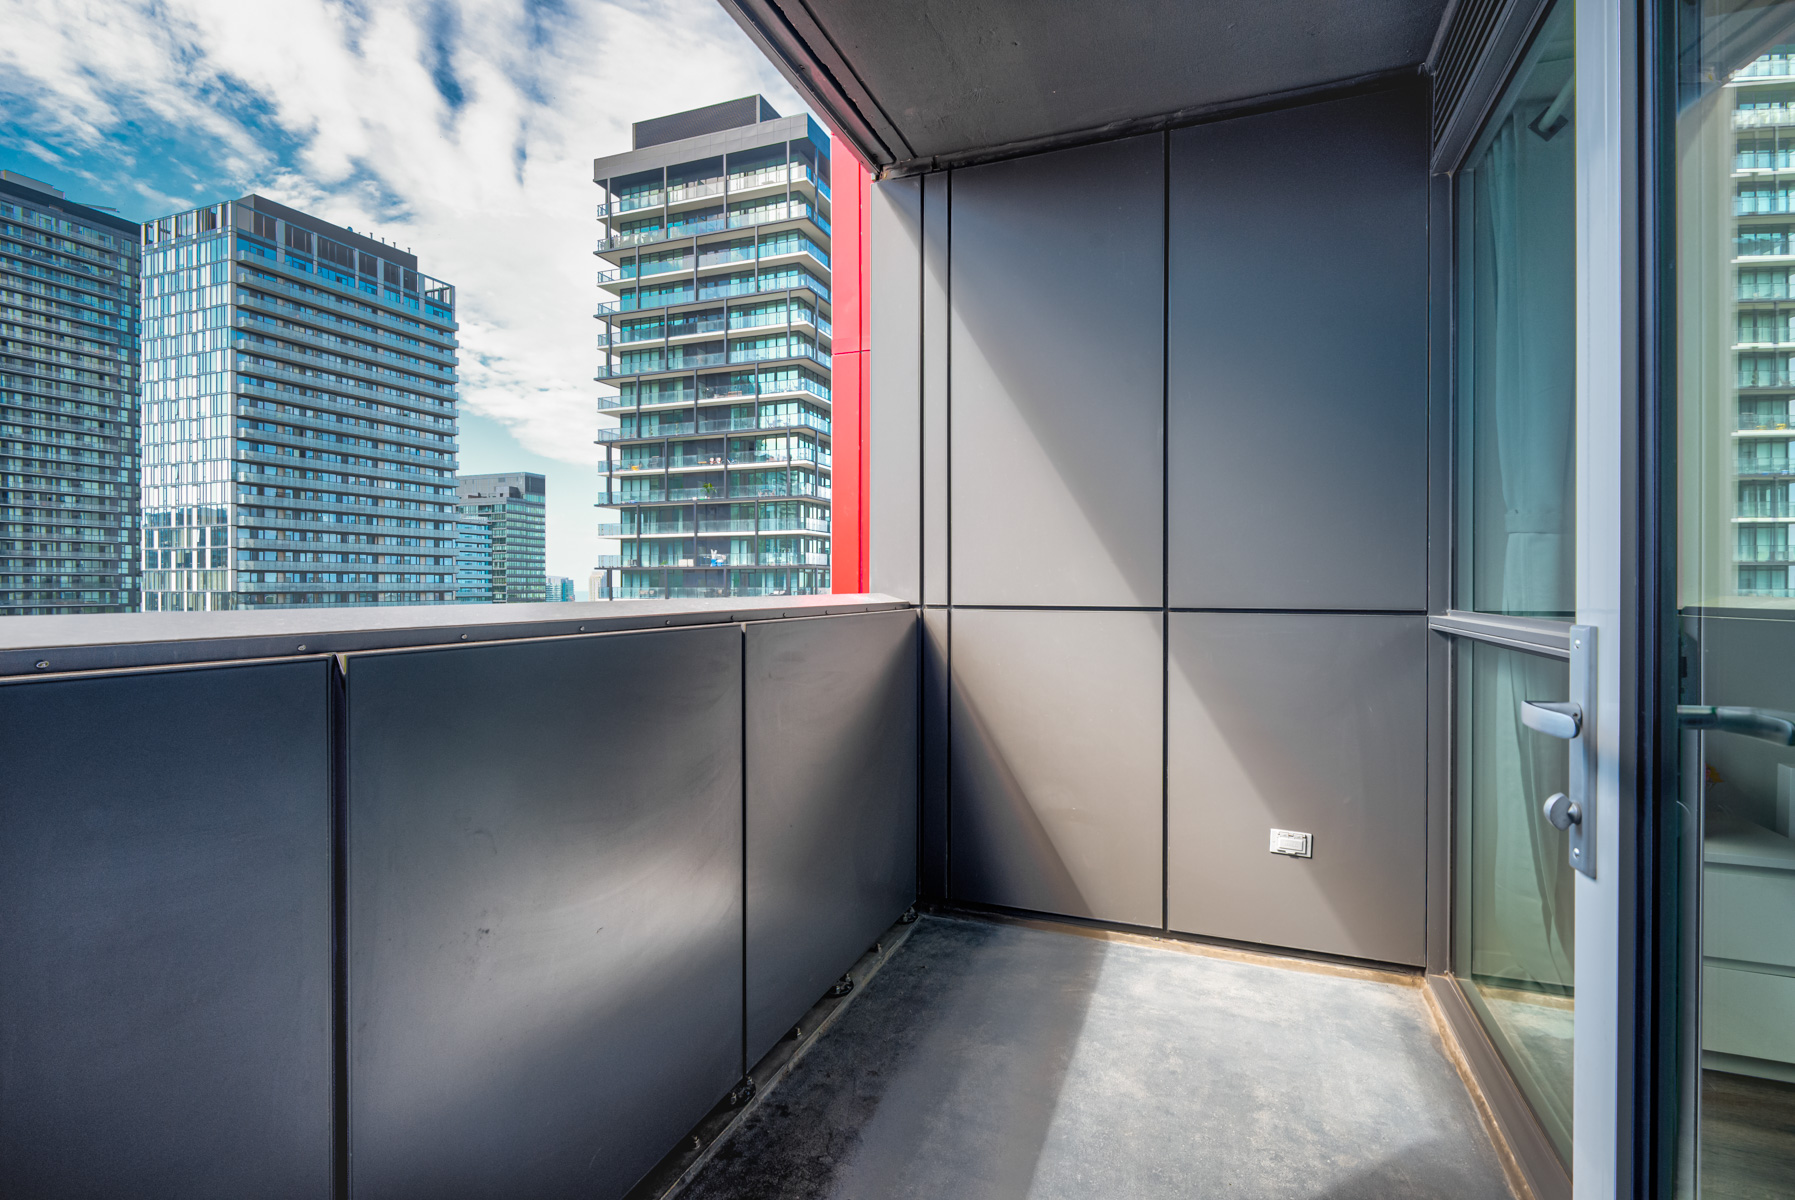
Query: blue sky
464 131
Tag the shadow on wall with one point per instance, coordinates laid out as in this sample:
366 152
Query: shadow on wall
1056 765
1310 722
1057 402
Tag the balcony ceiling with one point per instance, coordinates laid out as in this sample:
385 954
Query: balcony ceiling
921 84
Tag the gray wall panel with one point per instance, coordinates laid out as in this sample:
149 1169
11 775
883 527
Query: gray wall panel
1308 722
165 958
936 233
1056 762
894 314
1056 377
1298 358
831 810
545 916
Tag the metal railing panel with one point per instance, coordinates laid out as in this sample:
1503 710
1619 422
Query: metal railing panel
165 957
544 910
831 721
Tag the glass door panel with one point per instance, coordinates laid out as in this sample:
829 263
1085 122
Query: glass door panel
1733 969
1514 926
1515 546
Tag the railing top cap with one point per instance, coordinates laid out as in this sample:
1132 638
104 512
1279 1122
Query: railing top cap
122 641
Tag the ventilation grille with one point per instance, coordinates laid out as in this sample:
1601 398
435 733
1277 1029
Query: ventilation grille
1473 21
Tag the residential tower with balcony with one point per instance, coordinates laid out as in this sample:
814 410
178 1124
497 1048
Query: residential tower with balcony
1761 505
299 415
714 331
514 505
68 404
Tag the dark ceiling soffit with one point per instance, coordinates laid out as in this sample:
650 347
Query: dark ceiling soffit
1499 57
1199 114
788 35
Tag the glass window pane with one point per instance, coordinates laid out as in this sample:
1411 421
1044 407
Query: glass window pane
1734 967
1517 331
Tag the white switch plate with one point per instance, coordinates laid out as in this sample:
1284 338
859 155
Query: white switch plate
1289 841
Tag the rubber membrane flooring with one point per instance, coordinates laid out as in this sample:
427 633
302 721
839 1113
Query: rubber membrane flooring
996 1059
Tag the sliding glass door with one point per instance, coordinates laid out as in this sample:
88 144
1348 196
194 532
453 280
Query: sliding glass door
1729 953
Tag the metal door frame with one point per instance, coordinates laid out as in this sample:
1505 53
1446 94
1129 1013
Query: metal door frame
1619 566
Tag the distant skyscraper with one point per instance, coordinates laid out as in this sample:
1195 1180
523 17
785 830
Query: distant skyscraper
560 588
715 311
473 560
68 404
515 505
299 415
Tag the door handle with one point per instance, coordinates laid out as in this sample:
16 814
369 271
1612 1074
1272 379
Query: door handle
1764 723
1574 809
1553 718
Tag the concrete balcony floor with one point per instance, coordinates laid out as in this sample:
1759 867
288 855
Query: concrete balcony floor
993 1058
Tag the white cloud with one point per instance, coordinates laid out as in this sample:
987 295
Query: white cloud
346 109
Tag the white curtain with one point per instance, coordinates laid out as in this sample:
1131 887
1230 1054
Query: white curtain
1524 391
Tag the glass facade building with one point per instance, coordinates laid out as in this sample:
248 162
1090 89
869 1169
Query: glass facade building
515 507
715 333
68 404
299 415
473 560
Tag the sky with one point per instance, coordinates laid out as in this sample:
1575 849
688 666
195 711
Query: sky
463 131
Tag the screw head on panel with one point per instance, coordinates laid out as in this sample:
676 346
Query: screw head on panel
43 664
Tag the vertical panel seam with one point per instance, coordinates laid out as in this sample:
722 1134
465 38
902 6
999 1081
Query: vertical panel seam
947 485
1165 536
336 686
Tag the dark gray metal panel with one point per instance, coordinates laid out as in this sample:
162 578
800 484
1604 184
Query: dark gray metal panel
1298 358
545 910
832 804
936 623
1056 377
165 957
1056 771
936 231
1309 722
894 314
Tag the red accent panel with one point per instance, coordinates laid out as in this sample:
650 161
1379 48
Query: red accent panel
851 250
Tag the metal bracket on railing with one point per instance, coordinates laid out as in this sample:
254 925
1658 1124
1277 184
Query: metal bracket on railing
1574 810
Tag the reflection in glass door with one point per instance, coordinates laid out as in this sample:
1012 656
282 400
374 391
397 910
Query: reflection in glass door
1514 572
1734 373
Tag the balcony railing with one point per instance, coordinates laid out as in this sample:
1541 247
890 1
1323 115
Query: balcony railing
1775 467
1764 118
1780 420
694 191
189 938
